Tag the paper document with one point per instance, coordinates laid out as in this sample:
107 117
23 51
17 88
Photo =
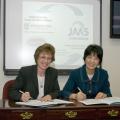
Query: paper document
108 100
39 103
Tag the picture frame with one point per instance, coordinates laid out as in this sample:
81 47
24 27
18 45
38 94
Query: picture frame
115 19
69 42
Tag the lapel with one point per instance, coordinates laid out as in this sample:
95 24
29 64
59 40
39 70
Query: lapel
83 74
47 78
35 79
96 75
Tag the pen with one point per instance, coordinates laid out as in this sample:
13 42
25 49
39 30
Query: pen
21 91
79 89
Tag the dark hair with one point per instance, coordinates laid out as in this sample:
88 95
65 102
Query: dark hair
94 49
48 48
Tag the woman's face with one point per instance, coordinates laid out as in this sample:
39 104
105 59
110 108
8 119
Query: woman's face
44 60
92 61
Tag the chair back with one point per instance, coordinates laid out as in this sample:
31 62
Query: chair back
6 89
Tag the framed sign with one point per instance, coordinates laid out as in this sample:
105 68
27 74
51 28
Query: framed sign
69 25
115 19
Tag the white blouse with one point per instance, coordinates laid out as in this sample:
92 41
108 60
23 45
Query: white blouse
41 81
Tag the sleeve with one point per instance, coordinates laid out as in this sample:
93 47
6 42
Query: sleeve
69 86
14 93
106 85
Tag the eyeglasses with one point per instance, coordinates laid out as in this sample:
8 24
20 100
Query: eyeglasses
49 59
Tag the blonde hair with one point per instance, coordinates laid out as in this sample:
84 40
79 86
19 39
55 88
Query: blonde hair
48 48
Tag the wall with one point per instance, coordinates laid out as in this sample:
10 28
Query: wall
110 61
111 50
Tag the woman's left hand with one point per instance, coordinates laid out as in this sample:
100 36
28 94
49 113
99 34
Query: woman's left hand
46 98
100 95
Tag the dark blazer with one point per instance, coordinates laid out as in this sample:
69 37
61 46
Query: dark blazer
79 79
27 81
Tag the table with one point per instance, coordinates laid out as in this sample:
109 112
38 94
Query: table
76 111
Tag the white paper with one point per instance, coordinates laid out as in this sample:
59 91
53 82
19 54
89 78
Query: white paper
39 103
67 26
108 100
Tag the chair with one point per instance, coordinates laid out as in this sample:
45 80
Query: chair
6 88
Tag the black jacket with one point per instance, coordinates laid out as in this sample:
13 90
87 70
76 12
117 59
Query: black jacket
27 81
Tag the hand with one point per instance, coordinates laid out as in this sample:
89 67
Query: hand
100 95
81 96
25 96
46 98
73 96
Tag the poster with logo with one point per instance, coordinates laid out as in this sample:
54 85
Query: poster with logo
69 27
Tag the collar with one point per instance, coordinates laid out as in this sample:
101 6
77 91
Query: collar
84 77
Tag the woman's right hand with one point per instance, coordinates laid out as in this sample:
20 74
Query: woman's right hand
73 96
81 96
25 96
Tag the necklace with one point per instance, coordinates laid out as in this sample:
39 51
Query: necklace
41 81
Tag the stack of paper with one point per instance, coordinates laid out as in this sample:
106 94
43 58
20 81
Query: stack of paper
39 103
108 100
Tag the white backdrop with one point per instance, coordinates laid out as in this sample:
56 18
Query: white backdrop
69 25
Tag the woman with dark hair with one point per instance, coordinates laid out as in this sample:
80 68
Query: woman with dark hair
88 81
38 81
